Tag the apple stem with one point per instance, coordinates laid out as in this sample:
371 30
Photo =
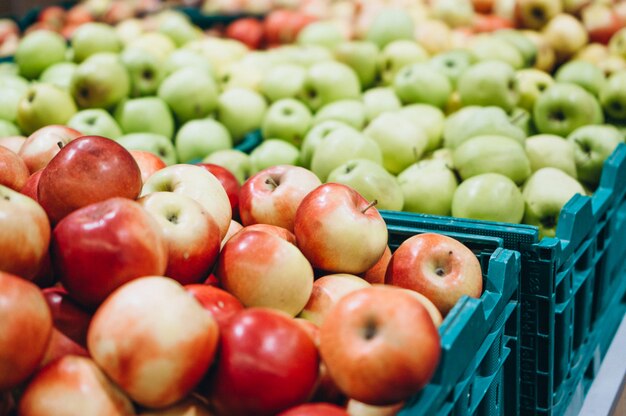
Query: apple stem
271 181
60 144
371 204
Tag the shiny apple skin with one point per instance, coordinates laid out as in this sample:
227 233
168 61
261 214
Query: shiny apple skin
221 304
13 170
267 363
67 315
89 169
281 232
30 187
101 246
315 409
13 143
148 163
228 181
41 146
376 273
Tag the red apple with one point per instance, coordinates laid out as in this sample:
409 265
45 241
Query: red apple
229 182
248 31
601 22
437 266
87 170
212 281
52 15
45 276
8 29
282 26
25 329
273 195
315 409
99 247
261 269
340 231
232 230
432 310
191 234
60 346
220 303
30 187
376 273
13 169
148 163
483 6
369 352
41 146
272 229
356 408
267 363
13 143
67 316
154 340
117 12
24 234
73 385
485 23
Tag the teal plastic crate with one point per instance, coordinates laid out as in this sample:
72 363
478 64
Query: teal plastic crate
479 338
567 284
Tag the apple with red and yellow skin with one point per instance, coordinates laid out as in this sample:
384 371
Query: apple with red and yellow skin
369 353
601 22
87 170
14 170
376 273
248 31
228 181
148 163
191 406
143 336
263 270
13 143
101 246
41 146
437 266
315 409
432 310
30 187
192 235
25 234
25 329
339 231
59 346
261 347
282 26
281 232
221 304
273 195
73 385
67 316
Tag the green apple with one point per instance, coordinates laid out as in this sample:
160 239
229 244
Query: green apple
185 58
190 93
13 87
444 154
178 27
150 142
38 50
421 83
593 145
329 81
145 115
321 33
491 153
101 81
474 121
396 55
429 119
95 122
452 63
531 82
221 52
455 13
617 43
390 25
338 147
370 180
526 47
9 68
361 56
273 152
283 81
8 129
303 55
583 73
242 75
129 29
197 139
489 197
314 137
487 47
236 161
42 105
428 187
59 74
380 100
521 118
351 112
549 150
613 95
562 108
287 119
158 44
94 37
145 71
545 193
489 83
242 111
401 143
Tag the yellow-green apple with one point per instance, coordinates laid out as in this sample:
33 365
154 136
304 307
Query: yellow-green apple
340 231
379 100
145 71
421 83
475 121
545 193
489 83
453 12
530 83
549 150
400 142
95 122
67 316
198 184
118 236
13 143
593 52
526 47
153 314
357 408
26 326
145 115
314 136
376 273
287 119
322 33
452 63
613 95
26 234
327 290
233 229
428 118
229 183
283 81
42 145
241 111
184 58
89 169
59 74
396 55
582 73
73 384
434 35
197 139
361 56
42 105
189 100
562 108
428 187
488 197
535 14
157 144
273 152
389 25
219 303
329 81
260 347
592 146
38 50
13 87
546 57
192 235
492 153
437 266
372 181
315 409
14 171
236 161
616 44
92 38
488 47
351 112
100 81
264 270
178 27
148 163
566 35
368 356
